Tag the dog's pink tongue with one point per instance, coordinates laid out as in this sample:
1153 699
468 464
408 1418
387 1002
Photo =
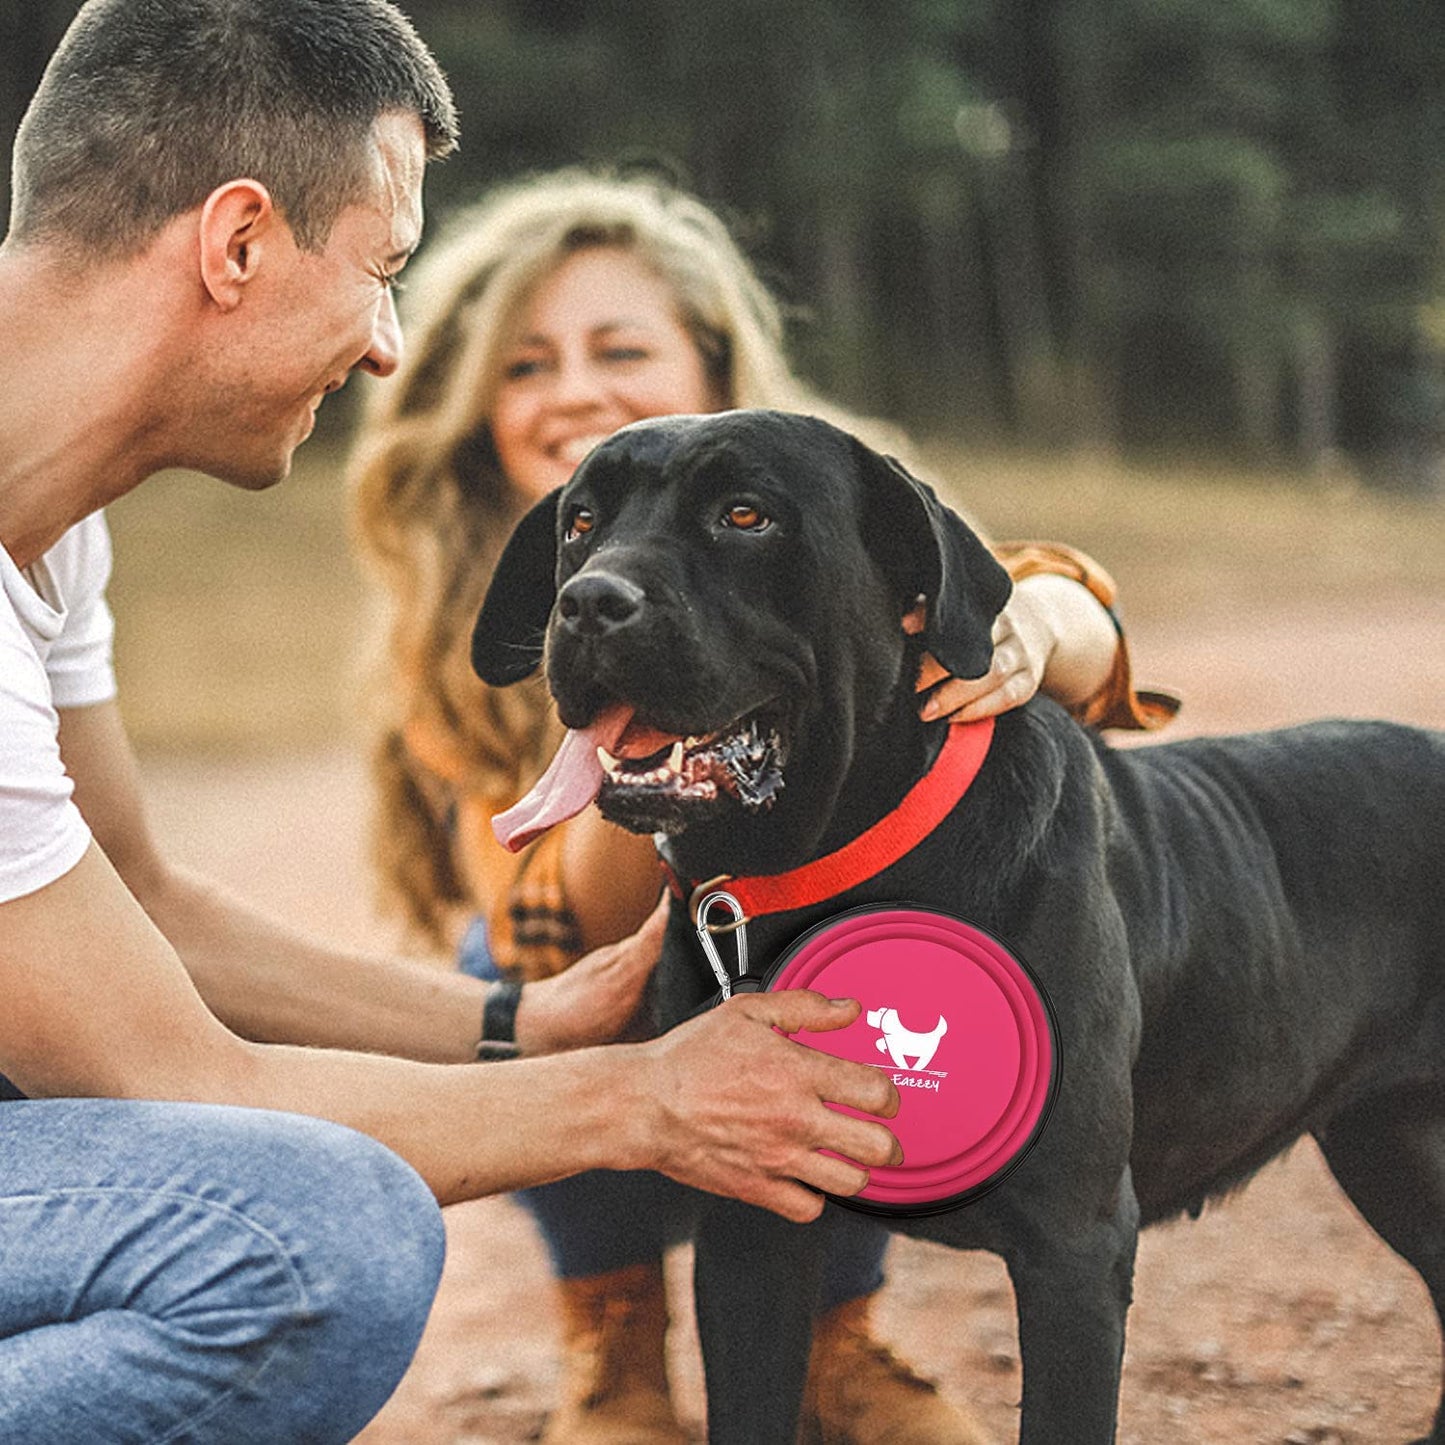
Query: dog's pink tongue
569 784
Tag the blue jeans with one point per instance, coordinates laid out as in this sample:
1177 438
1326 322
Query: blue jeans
601 1221
189 1272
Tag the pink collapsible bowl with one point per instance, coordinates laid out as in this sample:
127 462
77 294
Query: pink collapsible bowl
965 1032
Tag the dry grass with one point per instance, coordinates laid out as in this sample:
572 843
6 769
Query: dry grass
1211 543
242 617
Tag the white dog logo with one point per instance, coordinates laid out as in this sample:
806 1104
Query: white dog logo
900 1043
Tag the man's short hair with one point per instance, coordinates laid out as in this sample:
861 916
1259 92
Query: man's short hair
149 105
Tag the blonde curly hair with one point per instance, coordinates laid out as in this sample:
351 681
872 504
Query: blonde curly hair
432 509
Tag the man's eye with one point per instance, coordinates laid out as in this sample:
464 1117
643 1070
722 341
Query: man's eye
746 518
521 369
581 523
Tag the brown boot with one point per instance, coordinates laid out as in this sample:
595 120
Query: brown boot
860 1393
614 1375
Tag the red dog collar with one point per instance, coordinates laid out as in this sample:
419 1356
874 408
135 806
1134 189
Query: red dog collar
926 804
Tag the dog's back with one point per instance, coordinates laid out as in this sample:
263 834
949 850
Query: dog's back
1285 893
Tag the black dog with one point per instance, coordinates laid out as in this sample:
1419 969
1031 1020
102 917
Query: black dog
1243 938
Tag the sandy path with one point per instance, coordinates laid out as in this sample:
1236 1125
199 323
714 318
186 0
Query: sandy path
1279 1317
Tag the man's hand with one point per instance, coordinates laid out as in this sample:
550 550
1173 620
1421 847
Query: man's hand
593 1001
736 1108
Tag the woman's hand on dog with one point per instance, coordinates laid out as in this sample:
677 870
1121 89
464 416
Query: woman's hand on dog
733 1106
596 1000
1052 634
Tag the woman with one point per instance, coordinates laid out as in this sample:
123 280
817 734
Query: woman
561 309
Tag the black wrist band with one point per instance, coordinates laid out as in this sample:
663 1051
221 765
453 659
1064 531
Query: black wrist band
499 1022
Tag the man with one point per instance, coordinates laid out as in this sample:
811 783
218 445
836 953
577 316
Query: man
211 201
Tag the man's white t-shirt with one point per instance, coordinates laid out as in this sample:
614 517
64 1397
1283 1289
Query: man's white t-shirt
55 651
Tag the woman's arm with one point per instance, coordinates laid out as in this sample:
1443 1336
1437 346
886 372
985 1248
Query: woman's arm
1058 634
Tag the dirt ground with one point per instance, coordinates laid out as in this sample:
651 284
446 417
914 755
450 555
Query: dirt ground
1279 1317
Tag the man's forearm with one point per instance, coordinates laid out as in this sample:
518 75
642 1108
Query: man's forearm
467 1131
272 984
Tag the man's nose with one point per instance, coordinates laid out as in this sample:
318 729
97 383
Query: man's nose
383 354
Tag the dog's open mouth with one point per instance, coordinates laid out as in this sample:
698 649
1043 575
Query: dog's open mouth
744 759
648 779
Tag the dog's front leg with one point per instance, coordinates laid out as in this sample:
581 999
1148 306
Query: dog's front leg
756 1282
1073 1291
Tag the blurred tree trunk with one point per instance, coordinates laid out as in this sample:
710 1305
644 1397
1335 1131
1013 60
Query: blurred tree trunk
1015 261
1258 356
1081 34
1316 371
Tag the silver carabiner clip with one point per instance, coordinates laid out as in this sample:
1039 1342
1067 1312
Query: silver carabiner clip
705 933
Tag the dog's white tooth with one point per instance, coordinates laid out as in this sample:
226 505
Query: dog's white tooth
609 763
674 758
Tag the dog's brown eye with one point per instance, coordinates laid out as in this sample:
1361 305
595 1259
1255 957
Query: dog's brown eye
581 523
747 517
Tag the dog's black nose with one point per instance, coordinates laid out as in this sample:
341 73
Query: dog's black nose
598 603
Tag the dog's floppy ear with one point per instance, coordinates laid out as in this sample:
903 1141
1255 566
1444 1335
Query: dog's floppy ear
927 549
507 640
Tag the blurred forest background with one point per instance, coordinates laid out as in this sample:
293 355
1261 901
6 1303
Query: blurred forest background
1126 224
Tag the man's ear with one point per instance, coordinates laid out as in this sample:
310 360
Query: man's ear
512 626
238 222
928 550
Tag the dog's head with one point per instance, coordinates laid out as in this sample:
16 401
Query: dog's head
719 603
